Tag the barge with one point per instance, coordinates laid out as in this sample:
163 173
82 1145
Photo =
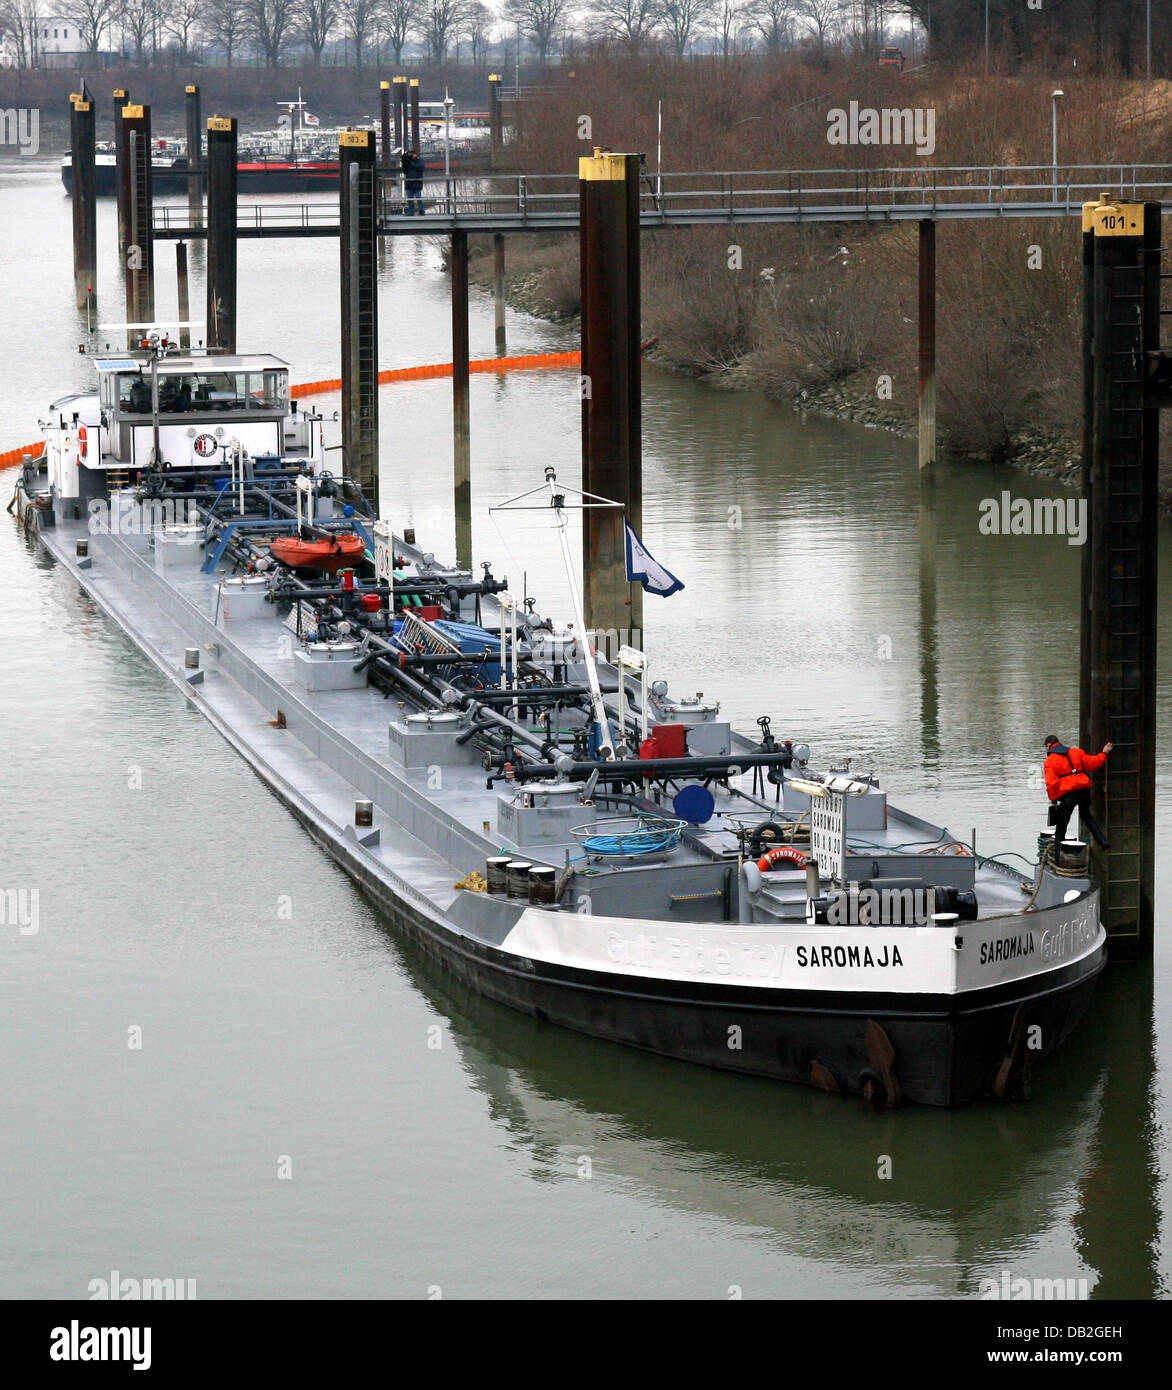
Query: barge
549 821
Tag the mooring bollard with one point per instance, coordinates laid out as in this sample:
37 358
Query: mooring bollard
364 813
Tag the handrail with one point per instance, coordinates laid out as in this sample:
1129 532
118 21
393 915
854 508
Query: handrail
706 195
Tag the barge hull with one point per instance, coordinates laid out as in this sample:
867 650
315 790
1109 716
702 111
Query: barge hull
947 1050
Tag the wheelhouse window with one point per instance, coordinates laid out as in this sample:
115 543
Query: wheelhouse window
206 393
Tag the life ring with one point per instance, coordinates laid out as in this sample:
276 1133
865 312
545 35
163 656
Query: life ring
82 443
782 852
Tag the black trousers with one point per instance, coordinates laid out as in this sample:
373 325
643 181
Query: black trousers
1066 806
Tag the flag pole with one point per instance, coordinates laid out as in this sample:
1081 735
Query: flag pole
555 500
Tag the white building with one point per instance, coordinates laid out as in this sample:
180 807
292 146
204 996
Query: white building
61 44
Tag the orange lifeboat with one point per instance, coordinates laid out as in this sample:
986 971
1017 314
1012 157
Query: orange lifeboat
332 554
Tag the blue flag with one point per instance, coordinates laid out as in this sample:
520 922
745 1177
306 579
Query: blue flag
646 569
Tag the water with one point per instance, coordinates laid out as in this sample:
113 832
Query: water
284 1030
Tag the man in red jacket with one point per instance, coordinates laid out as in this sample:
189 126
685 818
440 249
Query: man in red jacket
1069 787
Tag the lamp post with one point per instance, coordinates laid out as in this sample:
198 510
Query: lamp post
448 104
1054 138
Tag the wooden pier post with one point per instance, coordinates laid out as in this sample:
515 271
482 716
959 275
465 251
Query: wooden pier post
927 277
194 155
359 243
461 419
384 121
85 223
498 290
140 254
1120 595
121 184
608 200
400 106
182 295
495 126
221 249
416 144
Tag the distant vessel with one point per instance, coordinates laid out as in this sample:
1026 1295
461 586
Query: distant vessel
304 159
558 829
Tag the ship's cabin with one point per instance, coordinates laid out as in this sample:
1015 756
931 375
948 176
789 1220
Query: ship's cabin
201 404
160 409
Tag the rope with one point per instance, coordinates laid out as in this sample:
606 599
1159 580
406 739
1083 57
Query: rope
1048 862
640 842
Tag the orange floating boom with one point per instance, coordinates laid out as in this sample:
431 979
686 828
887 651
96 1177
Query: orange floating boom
533 361
14 456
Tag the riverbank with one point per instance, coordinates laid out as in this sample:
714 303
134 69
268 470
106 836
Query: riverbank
541 278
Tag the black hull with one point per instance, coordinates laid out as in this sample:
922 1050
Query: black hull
948 1050
254 181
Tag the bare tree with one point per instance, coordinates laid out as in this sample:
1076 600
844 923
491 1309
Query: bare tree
137 18
476 22
819 17
359 20
538 20
181 19
771 19
268 24
631 22
20 21
316 23
680 19
441 20
93 19
726 20
224 22
400 23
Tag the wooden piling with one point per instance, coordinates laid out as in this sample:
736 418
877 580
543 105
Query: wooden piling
194 154
85 223
221 248
140 255
384 121
498 290
1120 595
495 124
399 84
183 297
927 283
461 419
359 284
608 198
416 143
121 177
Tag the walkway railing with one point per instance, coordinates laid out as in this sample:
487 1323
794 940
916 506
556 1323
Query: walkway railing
550 201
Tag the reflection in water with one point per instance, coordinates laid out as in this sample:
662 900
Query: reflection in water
929 641
1117 1222
973 1191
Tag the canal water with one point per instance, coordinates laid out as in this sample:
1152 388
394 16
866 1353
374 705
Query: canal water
312 1110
